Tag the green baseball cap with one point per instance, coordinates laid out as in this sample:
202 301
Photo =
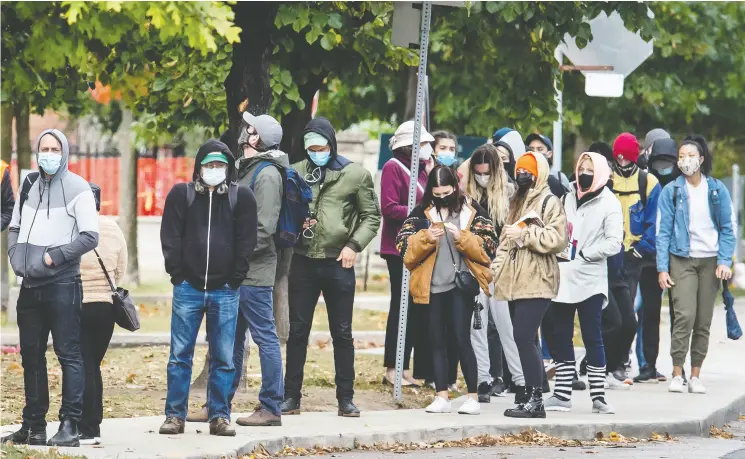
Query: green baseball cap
215 156
314 139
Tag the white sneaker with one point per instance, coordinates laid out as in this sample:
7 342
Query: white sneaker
695 386
599 407
676 385
470 407
88 441
613 384
439 405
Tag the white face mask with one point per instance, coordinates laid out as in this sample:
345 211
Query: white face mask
214 177
482 180
689 165
425 152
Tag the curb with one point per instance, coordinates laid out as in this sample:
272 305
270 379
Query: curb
687 427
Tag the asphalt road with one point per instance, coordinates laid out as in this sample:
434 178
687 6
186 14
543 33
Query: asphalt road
683 448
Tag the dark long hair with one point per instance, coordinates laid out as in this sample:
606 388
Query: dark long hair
699 142
443 176
445 135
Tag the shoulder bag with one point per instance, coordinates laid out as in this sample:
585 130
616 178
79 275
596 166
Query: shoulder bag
467 284
125 312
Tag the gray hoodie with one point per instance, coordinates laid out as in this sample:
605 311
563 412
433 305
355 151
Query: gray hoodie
59 217
268 190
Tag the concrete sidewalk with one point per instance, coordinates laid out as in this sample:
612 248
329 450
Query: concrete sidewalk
645 409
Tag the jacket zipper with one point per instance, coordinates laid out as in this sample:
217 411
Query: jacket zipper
209 227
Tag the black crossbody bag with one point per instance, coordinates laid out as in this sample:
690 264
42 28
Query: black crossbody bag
467 284
125 311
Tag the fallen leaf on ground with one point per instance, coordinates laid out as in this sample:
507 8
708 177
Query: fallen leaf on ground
720 433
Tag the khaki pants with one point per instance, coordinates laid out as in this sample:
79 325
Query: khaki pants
693 297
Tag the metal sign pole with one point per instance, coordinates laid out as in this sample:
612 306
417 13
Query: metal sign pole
558 124
413 179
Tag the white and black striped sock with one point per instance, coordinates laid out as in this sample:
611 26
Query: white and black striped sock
564 376
596 376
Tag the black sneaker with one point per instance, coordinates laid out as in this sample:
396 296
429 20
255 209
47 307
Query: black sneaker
26 436
484 392
67 435
290 405
532 408
87 440
498 388
661 377
647 375
347 409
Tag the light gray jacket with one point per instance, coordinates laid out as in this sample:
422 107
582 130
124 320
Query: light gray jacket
597 228
59 217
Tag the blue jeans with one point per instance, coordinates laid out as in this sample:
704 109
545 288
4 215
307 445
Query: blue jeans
189 306
639 310
256 315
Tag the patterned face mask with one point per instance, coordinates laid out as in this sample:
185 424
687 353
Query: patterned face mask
689 165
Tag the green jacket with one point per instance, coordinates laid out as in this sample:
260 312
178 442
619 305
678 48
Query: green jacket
268 191
345 206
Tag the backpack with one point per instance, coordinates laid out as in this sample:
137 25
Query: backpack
191 194
28 182
296 198
642 178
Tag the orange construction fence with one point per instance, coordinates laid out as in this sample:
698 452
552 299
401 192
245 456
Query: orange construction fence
155 178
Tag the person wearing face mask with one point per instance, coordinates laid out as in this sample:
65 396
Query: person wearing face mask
652 136
261 169
448 232
526 271
638 192
695 246
538 143
394 197
208 234
489 185
445 148
595 233
344 219
54 224
662 155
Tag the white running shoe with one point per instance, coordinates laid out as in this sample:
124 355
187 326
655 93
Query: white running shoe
554 404
695 386
439 405
676 385
85 440
599 407
613 384
470 407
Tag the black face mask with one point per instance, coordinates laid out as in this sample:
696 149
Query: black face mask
524 180
585 181
627 170
445 201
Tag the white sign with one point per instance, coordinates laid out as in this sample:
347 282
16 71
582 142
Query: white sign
612 45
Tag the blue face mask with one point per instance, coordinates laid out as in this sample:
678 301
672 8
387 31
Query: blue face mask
666 171
50 162
319 158
446 160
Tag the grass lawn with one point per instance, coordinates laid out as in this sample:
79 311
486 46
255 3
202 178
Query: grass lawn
16 452
135 383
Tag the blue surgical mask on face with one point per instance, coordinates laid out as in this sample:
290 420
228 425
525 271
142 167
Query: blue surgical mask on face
446 160
665 171
319 158
50 162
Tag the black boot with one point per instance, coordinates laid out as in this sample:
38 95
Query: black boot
26 436
347 409
484 392
520 395
67 435
545 387
290 405
533 408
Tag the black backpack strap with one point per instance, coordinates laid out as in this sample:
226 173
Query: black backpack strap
28 182
191 194
545 203
643 186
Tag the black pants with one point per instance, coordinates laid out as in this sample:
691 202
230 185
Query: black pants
619 324
395 275
652 302
96 328
308 279
450 316
56 308
495 348
527 318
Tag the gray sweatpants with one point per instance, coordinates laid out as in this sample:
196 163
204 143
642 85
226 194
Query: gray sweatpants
500 312
694 295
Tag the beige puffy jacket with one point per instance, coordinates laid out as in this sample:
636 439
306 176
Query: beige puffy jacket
532 271
113 251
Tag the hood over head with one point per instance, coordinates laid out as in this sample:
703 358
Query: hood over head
62 139
541 162
601 175
515 141
322 126
653 136
214 146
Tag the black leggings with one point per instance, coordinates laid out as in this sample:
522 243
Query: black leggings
525 322
619 326
96 328
449 315
395 275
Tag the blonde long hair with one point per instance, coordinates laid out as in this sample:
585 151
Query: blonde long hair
498 190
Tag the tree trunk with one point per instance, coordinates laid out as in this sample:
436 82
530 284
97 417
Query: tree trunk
280 295
23 135
128 194
294 122
6 146
201 381
247 86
